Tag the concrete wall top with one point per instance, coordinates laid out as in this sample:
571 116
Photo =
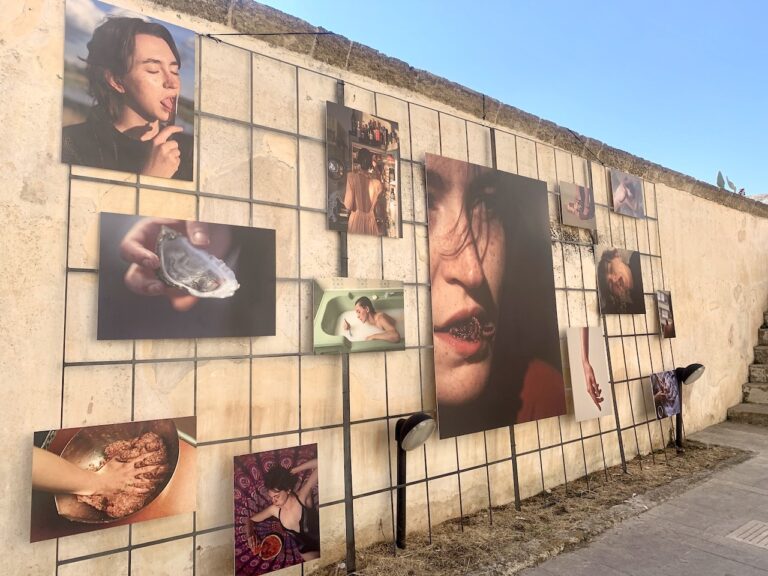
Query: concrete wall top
247 16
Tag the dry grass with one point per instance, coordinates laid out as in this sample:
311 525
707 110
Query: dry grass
547 524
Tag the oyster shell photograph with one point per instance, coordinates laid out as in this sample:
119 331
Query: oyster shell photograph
170 278
96 477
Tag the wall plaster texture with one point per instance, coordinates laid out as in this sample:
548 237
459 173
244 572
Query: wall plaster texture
261 123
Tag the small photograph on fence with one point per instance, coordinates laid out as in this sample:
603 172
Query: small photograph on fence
666 317
494 315
363 160
358 315
592 393
619 281
577 204
277 514
96 477
129 85
627 194
666 394
168 278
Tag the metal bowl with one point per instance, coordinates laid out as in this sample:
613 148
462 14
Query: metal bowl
86 450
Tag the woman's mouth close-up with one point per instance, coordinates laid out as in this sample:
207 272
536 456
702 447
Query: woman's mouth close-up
470 337
168 103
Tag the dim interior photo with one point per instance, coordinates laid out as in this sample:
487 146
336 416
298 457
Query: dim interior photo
494 316
627 194
128 92
363 161
619 281
97 477
358 315
666 316
168 278
590 383
577 205
276 505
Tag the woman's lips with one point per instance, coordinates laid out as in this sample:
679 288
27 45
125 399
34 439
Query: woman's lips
470 337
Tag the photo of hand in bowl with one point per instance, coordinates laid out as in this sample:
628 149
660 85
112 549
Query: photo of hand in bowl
100 476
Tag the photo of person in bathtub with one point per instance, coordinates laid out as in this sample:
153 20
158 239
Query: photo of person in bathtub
368 316
494 315
358 315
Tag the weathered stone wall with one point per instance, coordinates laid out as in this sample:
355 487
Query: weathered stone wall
261 116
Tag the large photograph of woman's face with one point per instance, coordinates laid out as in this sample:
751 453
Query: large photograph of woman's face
619 281
496 345
128 92
277 514
363 162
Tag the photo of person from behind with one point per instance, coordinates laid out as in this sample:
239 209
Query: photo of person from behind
363 160
666 316
591 388
627 193
666 394
496 345
619 281
358 315
577 204
123 96
277 515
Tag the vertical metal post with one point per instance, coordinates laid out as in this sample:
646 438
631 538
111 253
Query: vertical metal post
401 466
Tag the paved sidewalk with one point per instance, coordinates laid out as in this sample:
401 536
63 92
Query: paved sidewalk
689 534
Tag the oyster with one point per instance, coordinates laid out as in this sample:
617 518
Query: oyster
189 268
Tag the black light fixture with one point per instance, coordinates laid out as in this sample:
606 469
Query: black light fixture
687 375
410 433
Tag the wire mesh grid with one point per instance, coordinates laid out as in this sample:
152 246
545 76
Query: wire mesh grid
522 459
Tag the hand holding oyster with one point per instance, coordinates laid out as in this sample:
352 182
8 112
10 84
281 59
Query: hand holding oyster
179 259
189 268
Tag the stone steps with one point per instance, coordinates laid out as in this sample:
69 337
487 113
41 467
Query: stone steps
755 392
758 373
749 414
762 337
761 354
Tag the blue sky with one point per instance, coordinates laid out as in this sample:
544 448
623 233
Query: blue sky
678 82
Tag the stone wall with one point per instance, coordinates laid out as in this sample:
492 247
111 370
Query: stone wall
260 120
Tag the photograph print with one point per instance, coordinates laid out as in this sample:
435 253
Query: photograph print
358 315
277 514
168 278
627 194
577 205
666 317
494 315
666 394
363 160
592 393
619 281
96 477
128 92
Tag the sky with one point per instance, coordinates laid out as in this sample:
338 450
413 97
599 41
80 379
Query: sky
681 83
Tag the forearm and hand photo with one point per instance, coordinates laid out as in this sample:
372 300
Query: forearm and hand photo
593 388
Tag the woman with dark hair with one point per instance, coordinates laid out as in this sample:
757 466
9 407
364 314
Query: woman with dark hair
620 282
133 75
293 506
362 194
496 347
